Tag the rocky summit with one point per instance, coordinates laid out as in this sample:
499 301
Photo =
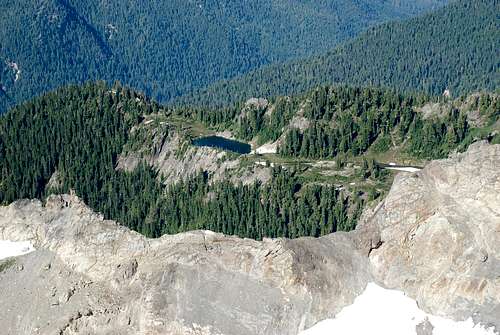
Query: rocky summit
436 236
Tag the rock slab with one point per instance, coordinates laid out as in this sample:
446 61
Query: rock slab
436 237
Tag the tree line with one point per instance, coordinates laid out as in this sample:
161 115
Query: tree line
79 131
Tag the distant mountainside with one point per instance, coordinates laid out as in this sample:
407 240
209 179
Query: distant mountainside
167 48
455 48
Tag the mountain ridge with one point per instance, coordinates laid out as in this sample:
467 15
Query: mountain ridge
135 160
454 48
268 203
169 48
105 278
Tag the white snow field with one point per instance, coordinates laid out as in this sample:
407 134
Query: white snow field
404 169
268 148
12 249
379 311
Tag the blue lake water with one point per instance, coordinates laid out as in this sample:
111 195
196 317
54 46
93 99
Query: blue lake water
223 143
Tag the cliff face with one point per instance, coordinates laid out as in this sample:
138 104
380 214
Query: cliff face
227 285
436 236
167 150
440 233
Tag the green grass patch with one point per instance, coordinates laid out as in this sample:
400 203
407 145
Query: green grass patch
7 263
381 144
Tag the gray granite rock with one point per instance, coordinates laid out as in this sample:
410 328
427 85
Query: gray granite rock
435 236
424 328
198 282
440 234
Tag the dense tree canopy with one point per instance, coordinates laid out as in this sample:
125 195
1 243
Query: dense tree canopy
456 47
349 121
70 139
79 132
166 48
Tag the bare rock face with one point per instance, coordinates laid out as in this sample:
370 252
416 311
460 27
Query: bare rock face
191 283
436 237
174 166
177 160
257 103
470 107
440 233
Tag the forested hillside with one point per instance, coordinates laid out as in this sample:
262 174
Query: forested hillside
70 139
454 48
349 121
166 48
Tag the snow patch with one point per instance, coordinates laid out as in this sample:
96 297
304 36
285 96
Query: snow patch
12 249
268 148
382 311
405 169
261 163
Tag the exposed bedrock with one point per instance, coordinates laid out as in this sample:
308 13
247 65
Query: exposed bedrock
440 230
436 236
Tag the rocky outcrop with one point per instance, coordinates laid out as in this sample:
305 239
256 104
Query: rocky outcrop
470 107
436 237
176 159
198 282
440 233
260 103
